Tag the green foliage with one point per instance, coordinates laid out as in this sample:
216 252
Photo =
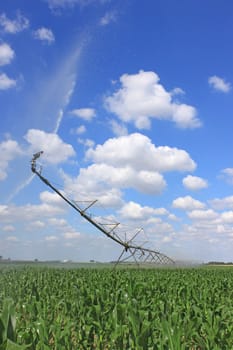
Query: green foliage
8 327
148 309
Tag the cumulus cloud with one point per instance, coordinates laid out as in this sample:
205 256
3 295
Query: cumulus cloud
134 211
187 203
6 54
222 203
57 221
194 183
44 34
38 224
12 239
6 82
118 129
161 211
9 150
227 217
86 142
32 213
80 130
100 175
205 215
86 114
227 175
55 150
8 228
137 151
71 235
157 227
141 98
14 26
219 84
130 161
51 238
50 198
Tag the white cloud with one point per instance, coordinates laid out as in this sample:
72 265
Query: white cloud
187 203
137 151
81 130
55 150
102 175
57 222
167 239
161 211
194 183
44 34
71 235
86 142
134 211
158 227
130 161
38 224
219 84
173 217
111 198
117 128
141 97
88 186
6 54
227 217
221 229
50 198
14 26
53 4
35 215
86 114
228 171
8 228
207 215
62 4
51 238
9 150
227 175
222 203
6 82
3 209
177 91
12 239
108 18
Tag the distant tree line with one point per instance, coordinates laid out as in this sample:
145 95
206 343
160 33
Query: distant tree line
219 263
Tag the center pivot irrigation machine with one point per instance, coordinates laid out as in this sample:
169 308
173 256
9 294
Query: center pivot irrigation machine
131 250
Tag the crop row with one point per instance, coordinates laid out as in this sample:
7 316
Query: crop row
45 308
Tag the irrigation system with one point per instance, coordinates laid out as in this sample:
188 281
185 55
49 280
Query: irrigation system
130 250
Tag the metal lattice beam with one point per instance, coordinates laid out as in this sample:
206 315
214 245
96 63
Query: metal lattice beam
137 253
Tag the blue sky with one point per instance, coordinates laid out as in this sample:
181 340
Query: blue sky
132 105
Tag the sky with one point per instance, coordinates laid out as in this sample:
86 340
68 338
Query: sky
131 103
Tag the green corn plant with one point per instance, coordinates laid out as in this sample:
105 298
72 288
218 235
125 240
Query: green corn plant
8 327
151 309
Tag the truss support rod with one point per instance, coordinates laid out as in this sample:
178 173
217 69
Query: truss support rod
92 203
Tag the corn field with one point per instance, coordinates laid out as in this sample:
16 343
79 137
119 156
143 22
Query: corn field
53 308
